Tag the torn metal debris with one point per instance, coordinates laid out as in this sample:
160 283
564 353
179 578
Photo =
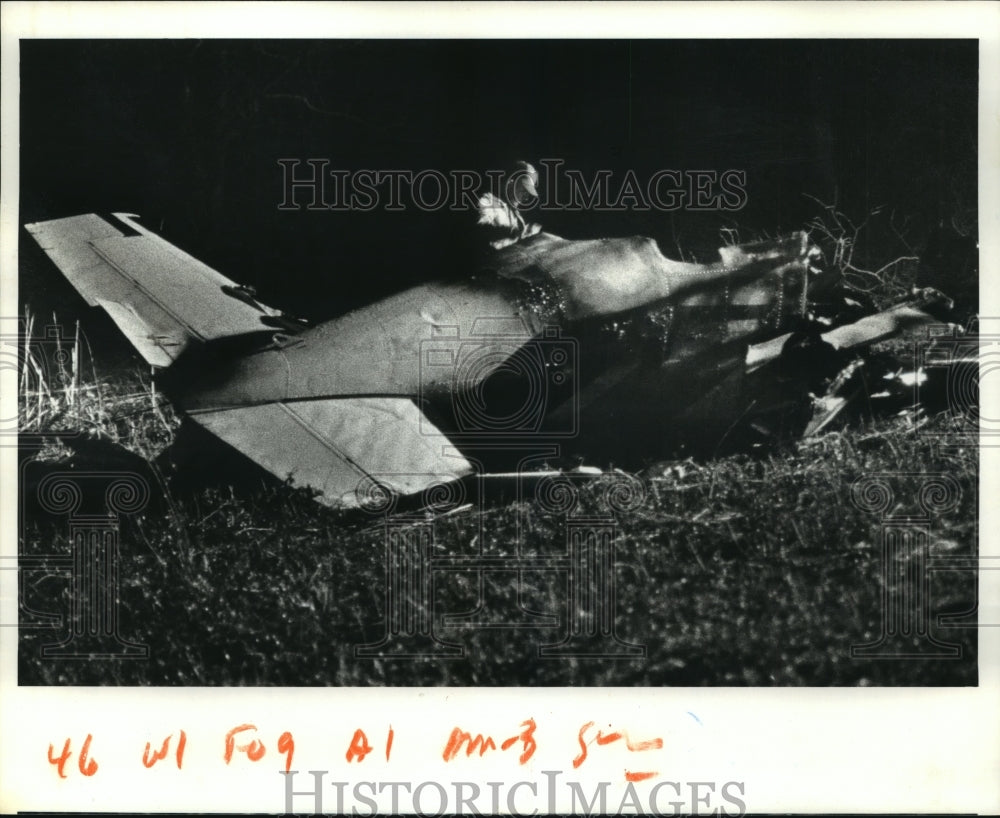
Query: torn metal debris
600 349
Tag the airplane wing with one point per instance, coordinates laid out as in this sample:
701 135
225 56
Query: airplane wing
161 298
333 444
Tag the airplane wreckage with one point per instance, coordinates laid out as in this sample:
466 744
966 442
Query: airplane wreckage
593 348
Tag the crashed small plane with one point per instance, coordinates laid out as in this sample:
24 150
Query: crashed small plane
599 345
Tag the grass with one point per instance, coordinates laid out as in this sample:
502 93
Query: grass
736 571
733 571
60 392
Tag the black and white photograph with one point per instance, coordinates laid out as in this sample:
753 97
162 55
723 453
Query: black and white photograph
523 362
528 363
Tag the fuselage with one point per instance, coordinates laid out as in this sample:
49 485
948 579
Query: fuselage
572 340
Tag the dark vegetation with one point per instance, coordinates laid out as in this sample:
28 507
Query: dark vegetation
748 569
738 571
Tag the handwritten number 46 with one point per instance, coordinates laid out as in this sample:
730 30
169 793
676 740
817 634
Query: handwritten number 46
87 765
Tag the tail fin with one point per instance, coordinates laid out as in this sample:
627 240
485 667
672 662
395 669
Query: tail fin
161 298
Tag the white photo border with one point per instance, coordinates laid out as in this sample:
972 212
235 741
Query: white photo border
797 750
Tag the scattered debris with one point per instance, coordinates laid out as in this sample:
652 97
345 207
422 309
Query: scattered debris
604 347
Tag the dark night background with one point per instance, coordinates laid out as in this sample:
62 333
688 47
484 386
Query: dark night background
188 133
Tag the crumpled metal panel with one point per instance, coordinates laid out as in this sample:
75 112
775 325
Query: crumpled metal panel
610 276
